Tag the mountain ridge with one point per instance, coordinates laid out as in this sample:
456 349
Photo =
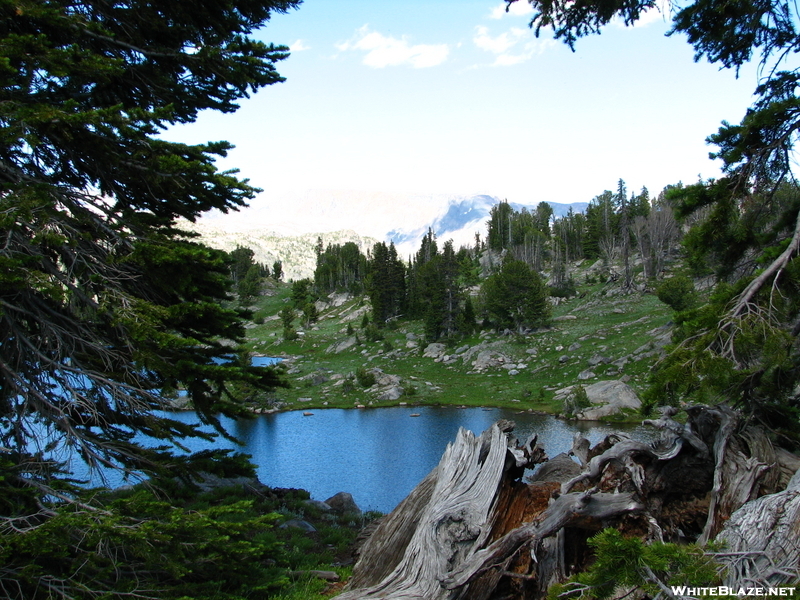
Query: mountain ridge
287 227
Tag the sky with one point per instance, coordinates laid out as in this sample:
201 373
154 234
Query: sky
459 97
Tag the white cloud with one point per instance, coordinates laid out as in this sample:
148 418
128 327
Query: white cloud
512 47
501 43
299 46
383 51
517 9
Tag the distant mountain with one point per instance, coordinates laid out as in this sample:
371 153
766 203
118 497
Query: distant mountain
296 252
286 227
463 217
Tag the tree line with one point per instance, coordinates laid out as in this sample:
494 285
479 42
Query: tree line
441 285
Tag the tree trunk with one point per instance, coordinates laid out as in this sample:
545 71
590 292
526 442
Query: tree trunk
472 530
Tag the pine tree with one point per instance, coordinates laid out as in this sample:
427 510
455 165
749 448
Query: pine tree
103 302
515 297
742 346
386 283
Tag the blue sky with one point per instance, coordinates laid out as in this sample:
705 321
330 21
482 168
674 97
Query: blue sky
459 97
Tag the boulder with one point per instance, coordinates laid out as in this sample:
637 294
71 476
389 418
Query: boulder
299 524
343 503
560 468
337 299
338 347
318 504
434 350
489 359
607 398
392 393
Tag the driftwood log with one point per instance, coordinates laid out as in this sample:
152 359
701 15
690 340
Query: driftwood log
472 529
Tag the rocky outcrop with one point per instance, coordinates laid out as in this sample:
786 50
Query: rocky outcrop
341 346
606 399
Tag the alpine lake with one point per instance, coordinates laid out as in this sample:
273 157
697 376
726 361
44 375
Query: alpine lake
376 454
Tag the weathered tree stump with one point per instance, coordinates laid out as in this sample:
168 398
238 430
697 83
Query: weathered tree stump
472 530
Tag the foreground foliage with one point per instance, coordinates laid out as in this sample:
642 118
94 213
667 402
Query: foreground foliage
743 345
167 540
106 307
624 564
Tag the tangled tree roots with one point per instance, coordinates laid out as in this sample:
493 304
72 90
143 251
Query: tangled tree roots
472 529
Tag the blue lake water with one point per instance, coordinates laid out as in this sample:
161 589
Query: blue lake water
378 455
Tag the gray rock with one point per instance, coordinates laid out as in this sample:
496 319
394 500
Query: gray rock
299 524
336 300
597 360
587 374
607 398
573 347
338 347
343 503
318 504
208 482
560 468
486 359
393 393
434 350
563 358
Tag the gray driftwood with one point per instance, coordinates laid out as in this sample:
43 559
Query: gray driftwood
471 530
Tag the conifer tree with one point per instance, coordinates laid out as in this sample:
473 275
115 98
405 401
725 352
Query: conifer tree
515 297
742 346
103 301
386 283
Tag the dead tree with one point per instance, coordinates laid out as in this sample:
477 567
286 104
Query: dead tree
473 530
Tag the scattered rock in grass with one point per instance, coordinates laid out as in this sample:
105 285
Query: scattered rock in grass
597 359
343 503
392 393
587 374
338 347
299 524
434 350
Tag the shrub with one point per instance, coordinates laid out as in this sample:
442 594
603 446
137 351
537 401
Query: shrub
372 333
365 377
566 289
576 401
677 293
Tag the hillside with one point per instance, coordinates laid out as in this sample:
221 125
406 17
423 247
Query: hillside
598 334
